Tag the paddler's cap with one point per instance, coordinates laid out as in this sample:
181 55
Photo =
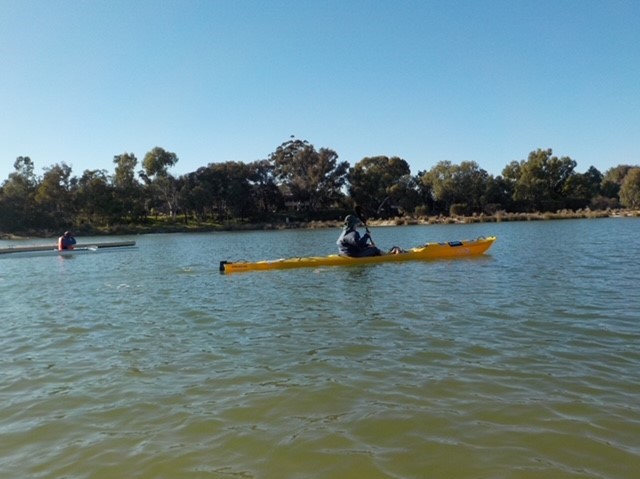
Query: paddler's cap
351 221
67 233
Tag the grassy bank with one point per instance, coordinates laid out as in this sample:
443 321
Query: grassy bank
169 225
503 216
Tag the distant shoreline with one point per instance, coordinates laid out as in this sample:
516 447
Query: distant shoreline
179 227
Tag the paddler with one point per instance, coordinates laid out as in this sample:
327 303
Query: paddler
66 241
350 243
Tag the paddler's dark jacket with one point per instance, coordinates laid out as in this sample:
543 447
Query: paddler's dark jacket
350 243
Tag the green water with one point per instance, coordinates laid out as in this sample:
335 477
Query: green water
150 364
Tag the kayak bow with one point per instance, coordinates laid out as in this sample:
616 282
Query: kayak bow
452 249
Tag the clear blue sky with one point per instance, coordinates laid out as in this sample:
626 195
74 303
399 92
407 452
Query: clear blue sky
214 80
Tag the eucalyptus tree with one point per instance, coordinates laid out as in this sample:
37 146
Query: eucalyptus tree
95 196
157 161
426 202
54 195
17 198
630 189
581 189
404 196
231 191
219 190
613 179
195 195
378 183
161 184
267 196
464 184
541 180
236 191
497 195
128 191
472 184
125 171
305 175
439 181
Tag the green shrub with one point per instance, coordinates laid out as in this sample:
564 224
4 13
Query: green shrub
458 209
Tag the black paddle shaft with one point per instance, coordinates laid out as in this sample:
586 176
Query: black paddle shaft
363 218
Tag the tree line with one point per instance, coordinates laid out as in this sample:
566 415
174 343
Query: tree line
301 182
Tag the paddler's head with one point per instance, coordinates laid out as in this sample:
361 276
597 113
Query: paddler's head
351 222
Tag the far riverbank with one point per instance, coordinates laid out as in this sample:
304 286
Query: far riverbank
168 225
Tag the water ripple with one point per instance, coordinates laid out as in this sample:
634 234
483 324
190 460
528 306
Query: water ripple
153 365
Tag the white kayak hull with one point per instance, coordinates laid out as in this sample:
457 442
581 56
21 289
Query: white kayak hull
48 250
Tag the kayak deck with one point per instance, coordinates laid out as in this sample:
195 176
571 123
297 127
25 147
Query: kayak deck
452 249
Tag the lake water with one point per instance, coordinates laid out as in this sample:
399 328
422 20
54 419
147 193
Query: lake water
524 363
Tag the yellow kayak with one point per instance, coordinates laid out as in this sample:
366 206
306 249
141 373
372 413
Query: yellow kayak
452 249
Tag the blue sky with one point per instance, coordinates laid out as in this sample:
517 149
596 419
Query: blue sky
213 81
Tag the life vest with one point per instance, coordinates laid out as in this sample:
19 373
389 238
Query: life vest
62 244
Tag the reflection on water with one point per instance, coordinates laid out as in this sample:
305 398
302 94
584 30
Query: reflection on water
151 364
